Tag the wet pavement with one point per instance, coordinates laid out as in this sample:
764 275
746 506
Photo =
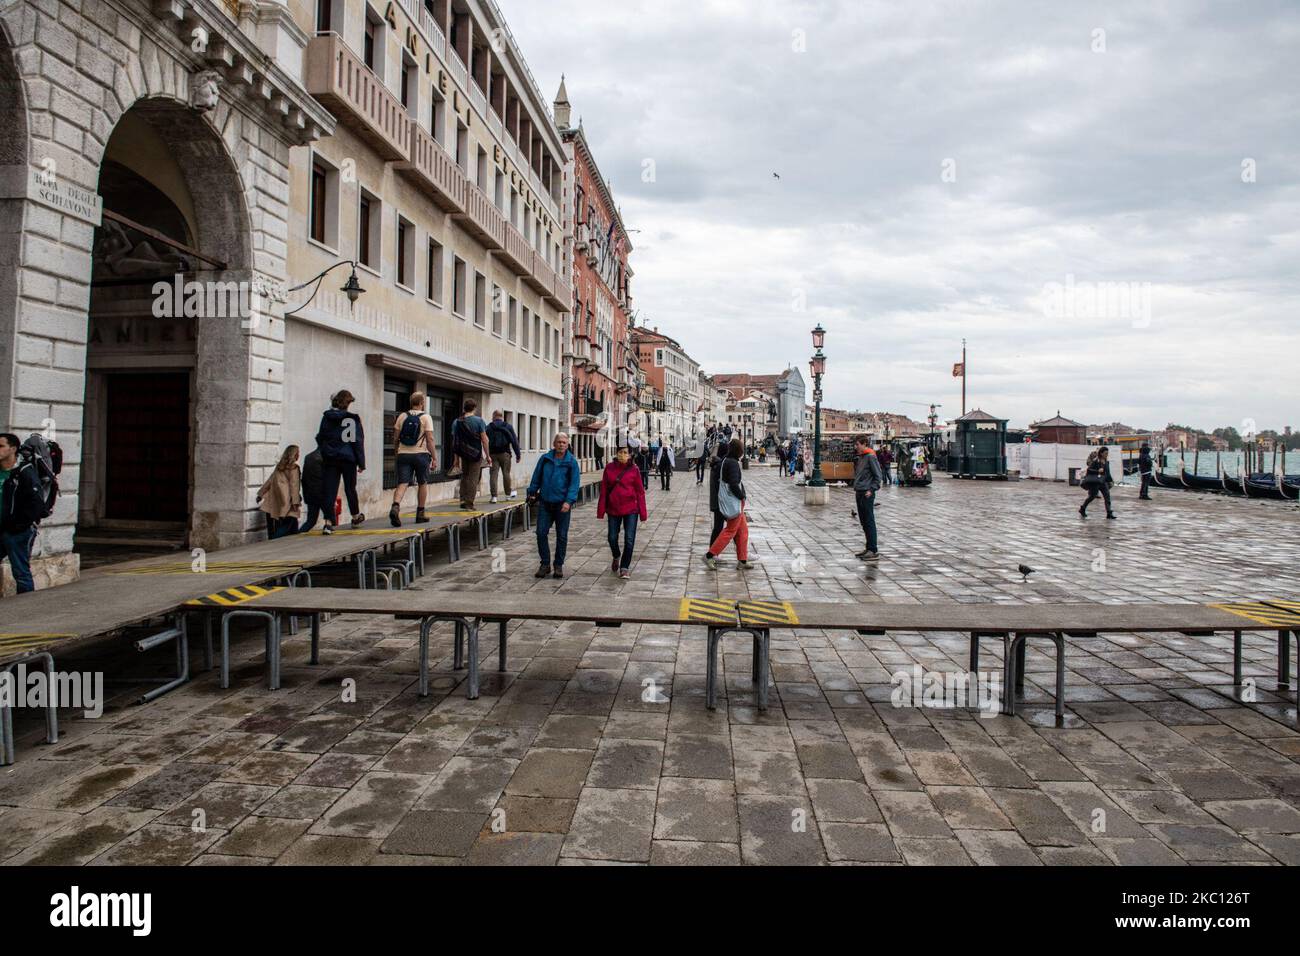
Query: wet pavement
595 746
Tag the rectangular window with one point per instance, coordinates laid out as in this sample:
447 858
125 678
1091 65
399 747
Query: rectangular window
318 182
372 49
458 288
369 216
537 334
480 300
525 340
498 308
325 16
512 324
462 147
498 190
405 253
438 116
481 169
410 84
433 273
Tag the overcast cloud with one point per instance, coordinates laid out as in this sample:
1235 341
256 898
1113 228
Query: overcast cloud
1117 166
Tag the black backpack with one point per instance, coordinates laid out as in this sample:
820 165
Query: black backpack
468 447
47 458
411 428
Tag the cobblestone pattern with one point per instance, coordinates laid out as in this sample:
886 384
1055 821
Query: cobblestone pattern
566 758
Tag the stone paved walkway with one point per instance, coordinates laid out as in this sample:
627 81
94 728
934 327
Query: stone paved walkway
572 757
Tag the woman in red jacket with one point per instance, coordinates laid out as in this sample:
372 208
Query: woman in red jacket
622 502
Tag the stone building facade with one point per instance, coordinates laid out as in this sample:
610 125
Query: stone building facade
146 141
600 375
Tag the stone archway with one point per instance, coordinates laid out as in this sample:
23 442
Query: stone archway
165 418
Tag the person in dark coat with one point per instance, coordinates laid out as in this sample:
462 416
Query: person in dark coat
342 445
715 475
22 506
1144 469
312 496
1098 481
734 529
868 477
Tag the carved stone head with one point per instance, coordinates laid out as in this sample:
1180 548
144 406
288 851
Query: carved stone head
205 87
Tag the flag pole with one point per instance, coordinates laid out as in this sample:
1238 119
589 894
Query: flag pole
963 376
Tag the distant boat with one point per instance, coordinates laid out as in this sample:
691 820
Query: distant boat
1256 485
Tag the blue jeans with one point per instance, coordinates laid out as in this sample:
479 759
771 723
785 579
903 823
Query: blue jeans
550 514
18 549
626 523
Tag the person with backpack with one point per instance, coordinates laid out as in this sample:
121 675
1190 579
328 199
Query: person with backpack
731 505
22 506
342 444
312 495
554 489
415 457
643 465
622 502
280 496
1097 481
469 444
868 477
503 443
665 464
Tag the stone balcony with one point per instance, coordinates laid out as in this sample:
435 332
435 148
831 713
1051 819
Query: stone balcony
481 218
518 254
433 170
348 88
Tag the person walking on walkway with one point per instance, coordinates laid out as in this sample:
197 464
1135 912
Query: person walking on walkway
342 444
503 443
781 454
731 505
1097 481
643 465
666 463
868 476
1144 469
715 476
22 505
702 456
622 503
469 443
554 488
416 457
312 496
280 496
886 458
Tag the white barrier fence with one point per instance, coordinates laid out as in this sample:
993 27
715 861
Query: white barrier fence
1052 462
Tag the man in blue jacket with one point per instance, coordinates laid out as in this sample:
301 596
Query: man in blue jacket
555 489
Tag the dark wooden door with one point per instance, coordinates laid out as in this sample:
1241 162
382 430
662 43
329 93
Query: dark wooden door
147 447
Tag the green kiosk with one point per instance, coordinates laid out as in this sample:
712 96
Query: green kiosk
978 448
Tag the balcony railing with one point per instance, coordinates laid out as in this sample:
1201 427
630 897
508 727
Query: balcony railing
517 254
351 90
540 276
432 169
561 295
482 219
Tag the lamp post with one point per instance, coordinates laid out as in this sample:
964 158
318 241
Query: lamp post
352 289
818 368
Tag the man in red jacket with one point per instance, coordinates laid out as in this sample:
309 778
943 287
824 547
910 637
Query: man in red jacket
622 502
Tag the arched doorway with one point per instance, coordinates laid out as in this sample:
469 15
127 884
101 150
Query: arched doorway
166 360
13 173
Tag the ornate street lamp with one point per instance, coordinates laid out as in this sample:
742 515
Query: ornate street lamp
818 367
352 288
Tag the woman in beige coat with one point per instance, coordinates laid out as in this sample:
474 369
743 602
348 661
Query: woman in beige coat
281 496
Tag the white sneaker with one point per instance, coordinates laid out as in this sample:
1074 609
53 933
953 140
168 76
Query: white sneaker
494 499
513 494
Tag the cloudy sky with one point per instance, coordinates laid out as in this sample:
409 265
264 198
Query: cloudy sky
1103 199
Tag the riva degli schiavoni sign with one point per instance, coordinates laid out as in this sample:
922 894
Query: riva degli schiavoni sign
44 187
